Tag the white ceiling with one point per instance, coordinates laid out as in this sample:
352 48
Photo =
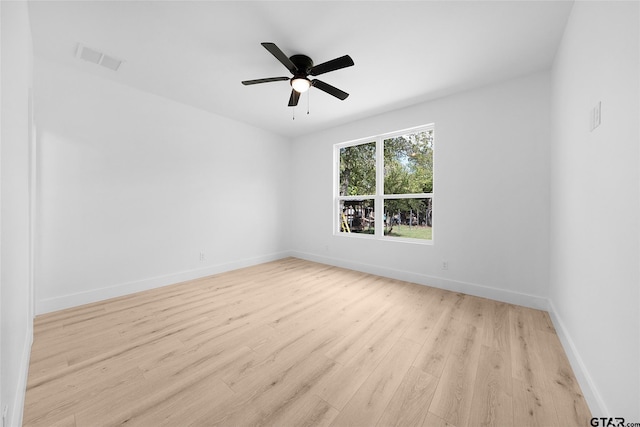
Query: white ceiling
197 52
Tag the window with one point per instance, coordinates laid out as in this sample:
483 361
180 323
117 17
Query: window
386 180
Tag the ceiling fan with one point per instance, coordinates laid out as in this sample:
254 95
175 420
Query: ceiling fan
301 66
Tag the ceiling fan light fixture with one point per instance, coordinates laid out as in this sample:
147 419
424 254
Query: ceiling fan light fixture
300 84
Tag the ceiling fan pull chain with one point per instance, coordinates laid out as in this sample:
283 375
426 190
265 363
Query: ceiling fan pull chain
308 95
293 110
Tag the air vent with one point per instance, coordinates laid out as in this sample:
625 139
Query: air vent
110 62
90 55
97 57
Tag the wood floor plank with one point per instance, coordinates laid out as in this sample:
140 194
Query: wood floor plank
348 308
474 309
532 407
457 304
526 361
125 351
428 313
297 343
438 345
39 368
496 331
453 396
273 397
289 353
435 421
410 403
386 322
492 402
368 403
43 412
571 408
309 411
69 421
197 361
77 384
339 388
180 408
93 345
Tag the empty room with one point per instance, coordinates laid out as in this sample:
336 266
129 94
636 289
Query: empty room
296 213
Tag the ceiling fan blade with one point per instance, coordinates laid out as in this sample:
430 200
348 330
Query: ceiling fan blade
267 80
280 56
331 90
293 99
334 64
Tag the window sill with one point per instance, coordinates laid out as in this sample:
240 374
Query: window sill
384 239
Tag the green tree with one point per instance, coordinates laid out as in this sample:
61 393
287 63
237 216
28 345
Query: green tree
408 169
408 163
358 170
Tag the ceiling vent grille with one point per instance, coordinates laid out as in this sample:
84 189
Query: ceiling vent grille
97 57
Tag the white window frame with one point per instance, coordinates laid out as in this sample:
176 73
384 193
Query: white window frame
379 197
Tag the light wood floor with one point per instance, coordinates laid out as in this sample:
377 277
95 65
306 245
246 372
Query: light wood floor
295 343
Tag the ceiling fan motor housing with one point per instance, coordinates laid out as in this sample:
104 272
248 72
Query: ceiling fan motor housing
303 63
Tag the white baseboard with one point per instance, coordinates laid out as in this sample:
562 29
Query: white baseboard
94 295
589 390
531 301
15 416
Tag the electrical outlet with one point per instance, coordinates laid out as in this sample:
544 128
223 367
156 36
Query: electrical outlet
201 256
445 265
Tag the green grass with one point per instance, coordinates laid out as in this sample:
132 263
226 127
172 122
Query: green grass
414 232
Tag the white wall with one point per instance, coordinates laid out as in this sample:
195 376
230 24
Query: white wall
595 207
491 194
132 187
15 295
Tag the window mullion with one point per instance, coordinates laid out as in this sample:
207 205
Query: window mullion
379 199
